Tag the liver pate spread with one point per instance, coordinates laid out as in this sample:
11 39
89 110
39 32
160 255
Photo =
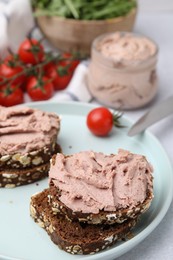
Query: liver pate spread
24 129
91 181
127 48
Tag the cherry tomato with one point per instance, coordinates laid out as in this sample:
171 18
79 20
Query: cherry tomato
70 61
100 121
48 66
39 89
1 78
11 96
9 69
31 52
63 82
60 76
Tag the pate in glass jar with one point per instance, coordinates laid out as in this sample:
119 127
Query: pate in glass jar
122 71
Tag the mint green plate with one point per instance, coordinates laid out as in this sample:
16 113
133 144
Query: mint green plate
21 238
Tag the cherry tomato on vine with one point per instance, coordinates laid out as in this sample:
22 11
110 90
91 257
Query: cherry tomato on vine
1 78
100 121
39 89
9 69
48 66
71 61
31 51
60 76
11 96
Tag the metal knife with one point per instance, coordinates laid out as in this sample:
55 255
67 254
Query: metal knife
158 112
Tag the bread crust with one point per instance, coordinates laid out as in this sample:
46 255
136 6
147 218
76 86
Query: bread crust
12 177
29 160
73 237
103 217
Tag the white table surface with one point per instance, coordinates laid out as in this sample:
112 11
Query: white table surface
158 26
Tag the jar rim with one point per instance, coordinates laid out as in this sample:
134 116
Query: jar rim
102 36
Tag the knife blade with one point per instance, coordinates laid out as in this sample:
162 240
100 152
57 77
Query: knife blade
157 113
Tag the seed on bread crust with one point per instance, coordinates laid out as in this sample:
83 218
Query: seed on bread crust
16 157
37 160
24 160
5 158
9 185
9 175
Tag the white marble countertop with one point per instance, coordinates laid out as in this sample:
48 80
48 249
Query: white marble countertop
158 26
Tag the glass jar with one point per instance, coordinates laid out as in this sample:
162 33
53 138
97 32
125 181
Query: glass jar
122 71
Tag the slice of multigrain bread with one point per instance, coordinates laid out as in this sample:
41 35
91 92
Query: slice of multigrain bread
75 237
75 179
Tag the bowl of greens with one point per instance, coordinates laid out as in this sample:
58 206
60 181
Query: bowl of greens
72 25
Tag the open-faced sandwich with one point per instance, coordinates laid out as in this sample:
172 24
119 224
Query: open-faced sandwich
28 139
93 199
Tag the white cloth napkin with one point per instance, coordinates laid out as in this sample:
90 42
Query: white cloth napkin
16 21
